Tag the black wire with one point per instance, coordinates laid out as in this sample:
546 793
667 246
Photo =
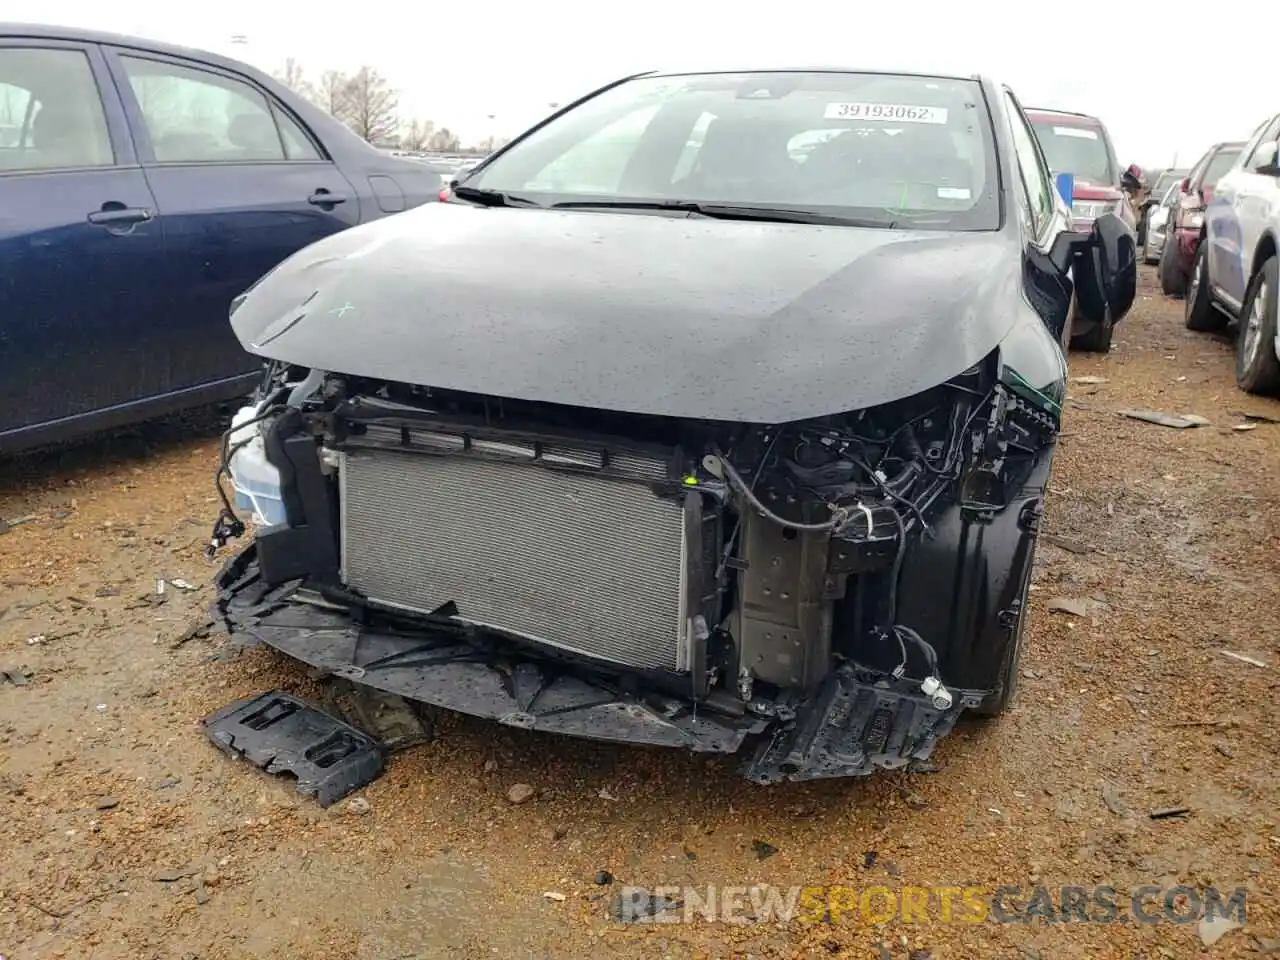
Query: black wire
898 630
884 489
896 571
840 515
737 526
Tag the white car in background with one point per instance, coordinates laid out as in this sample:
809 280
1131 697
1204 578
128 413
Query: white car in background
1158 222
1236 275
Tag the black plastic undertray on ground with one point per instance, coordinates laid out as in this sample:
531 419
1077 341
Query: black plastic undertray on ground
282 734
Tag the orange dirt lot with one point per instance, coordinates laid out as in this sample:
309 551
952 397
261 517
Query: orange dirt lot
126 835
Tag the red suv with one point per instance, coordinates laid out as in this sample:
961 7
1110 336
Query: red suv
1078 144
1187 222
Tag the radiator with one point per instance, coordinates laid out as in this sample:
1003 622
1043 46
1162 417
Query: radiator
582 562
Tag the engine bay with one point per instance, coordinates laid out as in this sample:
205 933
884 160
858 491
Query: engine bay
796 581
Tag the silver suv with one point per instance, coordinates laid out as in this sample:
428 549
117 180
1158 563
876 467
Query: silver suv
1236 275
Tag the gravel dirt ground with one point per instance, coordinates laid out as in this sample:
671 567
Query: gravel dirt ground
1167 541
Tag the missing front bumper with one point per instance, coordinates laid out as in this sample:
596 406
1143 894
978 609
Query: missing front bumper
856 722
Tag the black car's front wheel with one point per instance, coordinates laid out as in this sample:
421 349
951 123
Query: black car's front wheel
1097 339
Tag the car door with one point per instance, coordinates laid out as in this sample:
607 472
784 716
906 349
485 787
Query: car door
80 248
1233 220
1255 203
240 185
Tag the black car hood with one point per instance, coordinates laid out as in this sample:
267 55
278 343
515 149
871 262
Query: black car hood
686 317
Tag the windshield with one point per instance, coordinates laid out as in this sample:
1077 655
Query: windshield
1166 178
876 149
1079 151
1219 164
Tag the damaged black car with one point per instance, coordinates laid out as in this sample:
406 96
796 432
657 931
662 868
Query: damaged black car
716 411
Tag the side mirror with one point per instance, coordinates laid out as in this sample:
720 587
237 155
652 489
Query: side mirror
1265 160
1106 271
1104 266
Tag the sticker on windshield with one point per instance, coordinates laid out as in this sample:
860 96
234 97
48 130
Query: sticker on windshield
892 112
1081 132
954 193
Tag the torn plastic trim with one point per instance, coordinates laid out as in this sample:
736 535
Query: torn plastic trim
856 722
282 734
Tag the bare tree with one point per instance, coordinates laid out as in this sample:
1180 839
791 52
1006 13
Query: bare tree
417 135
372 106
444 141
294 77
334 94
489 144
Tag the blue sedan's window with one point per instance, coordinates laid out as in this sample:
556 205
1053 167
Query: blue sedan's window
194 116
51 115
297 145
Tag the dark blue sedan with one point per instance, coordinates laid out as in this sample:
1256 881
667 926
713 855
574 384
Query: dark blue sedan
142 187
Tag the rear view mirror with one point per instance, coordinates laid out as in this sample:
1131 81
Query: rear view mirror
1264 159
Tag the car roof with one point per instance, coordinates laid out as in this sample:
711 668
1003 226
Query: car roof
41 31
1065 117
813 69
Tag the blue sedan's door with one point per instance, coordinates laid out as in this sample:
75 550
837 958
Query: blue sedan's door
240 185
80 249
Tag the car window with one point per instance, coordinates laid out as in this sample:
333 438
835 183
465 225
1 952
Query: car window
1271 133
1219 163
1032 167
596 164
1081 151
194 116
879 148
51 114
297 145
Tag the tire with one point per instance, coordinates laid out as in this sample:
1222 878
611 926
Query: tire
1172 281
998 701
1199 312
1097 339
1257 367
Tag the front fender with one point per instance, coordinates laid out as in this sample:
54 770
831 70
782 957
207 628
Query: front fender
961 587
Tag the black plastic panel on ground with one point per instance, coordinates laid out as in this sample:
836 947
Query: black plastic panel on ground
282 734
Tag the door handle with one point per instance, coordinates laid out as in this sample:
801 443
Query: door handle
114 215
323 198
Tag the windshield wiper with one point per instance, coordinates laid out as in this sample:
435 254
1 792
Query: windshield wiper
725 211
492 198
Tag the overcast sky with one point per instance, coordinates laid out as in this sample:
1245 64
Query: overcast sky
458 63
